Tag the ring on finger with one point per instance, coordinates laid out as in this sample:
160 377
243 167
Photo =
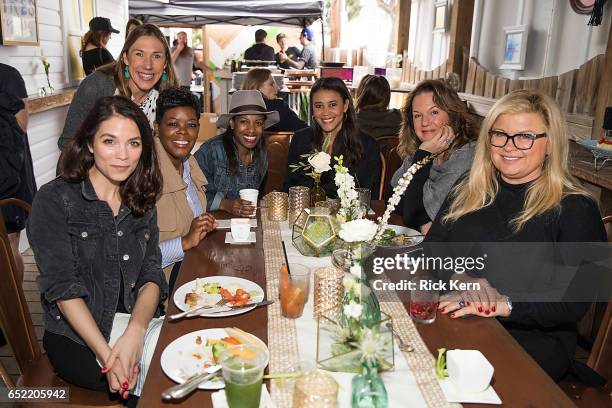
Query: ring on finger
461 304
449 141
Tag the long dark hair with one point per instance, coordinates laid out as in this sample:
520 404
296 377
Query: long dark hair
347 142
464 123
116 68
140 190
231 151
373 93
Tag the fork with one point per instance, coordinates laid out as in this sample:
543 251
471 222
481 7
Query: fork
406 348
197 310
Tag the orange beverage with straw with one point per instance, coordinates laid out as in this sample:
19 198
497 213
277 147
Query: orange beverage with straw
293 290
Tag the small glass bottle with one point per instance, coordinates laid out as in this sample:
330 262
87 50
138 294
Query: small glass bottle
368 389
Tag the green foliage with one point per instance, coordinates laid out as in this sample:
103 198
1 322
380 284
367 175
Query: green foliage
353 8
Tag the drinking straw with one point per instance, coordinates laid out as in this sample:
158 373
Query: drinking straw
286 259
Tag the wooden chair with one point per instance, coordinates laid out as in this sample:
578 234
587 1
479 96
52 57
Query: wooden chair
600 360
15 319
388 148
383 174
277 148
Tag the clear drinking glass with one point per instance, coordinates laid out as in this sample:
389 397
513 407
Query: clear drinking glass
293 290
423 300
243 368
364 195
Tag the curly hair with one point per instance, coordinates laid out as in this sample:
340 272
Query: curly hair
93 37
174 97
464 123
139 192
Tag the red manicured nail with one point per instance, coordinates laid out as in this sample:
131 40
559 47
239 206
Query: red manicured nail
442 310
452 315
487 312
104 370
480 309
468 303
125 385
125 395
493 308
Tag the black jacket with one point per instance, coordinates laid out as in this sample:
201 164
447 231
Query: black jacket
366 171
289 120
84 251
16 172
259 52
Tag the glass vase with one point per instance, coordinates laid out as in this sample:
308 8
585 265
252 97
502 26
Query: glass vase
317 193
368 389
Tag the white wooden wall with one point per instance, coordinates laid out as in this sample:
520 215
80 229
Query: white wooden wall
45 127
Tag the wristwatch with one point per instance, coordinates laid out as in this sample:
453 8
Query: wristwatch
509 303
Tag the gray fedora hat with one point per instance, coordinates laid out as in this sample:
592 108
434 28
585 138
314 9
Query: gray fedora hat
248 103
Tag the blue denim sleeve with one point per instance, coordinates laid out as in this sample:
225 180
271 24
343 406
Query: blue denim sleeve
205 159
151 270
59 278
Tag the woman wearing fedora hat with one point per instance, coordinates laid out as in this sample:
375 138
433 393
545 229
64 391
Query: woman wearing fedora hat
236 159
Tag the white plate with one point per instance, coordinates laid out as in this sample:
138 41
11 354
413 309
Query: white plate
225 282
230 240
178 362
400 229
225 224
452 394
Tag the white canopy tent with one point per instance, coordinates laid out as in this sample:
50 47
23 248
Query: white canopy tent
241 12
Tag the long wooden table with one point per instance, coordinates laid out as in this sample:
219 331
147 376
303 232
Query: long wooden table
518 380
211 257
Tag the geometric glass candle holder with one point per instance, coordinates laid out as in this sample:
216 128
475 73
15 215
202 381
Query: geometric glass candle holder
337 347
315 232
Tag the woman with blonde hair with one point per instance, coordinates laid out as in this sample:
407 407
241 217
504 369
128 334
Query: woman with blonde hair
142 70
435 121
520 190
260 79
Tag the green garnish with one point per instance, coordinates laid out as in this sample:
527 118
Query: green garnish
441 371
387 237
212 288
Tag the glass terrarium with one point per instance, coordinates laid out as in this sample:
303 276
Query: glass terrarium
338 345
315 232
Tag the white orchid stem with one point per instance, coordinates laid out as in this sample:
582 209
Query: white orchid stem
398 191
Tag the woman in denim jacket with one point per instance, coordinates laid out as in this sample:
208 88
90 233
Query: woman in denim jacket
237 159
94 234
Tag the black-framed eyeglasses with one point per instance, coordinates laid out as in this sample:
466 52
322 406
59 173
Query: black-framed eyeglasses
522 141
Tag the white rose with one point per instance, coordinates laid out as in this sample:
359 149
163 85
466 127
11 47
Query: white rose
320 162
358 230
356 271
353 310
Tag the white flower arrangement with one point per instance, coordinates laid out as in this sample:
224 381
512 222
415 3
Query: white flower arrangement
353 310
362 230
320 162
349 199
398 191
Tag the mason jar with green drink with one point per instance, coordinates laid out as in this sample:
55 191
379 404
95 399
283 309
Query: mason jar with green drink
243 367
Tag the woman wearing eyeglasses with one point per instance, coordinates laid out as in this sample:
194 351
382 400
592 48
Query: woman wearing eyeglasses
520 190
435 121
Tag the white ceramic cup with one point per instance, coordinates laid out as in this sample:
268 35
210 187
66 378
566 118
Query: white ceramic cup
469 370
240 229
250 194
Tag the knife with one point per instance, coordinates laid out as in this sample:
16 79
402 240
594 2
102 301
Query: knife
222 309
184 389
